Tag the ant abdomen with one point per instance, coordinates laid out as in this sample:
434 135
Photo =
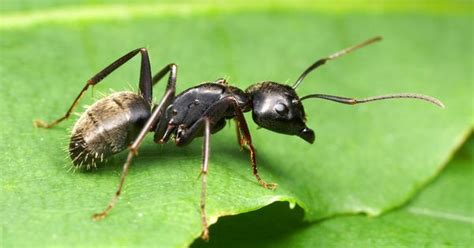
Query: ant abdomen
107 127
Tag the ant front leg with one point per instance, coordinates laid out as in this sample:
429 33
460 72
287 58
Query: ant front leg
240 140
245 140
145 79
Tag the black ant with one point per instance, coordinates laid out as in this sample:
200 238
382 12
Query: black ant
123 119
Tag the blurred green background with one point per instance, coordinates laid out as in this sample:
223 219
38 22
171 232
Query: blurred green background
367 160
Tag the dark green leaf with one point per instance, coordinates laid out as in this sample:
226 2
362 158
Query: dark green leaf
441 216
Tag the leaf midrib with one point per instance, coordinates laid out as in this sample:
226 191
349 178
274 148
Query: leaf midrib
25 19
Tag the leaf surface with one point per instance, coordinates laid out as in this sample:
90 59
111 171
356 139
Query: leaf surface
442 215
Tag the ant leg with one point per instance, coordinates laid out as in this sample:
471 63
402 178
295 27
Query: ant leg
133 152
240 140
145 79
203 125
162 125
206 149
155 116
172 69
247 143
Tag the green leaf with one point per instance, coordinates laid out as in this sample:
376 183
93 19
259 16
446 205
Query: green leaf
441 215
368 158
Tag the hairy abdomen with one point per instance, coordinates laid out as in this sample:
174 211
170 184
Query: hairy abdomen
107 127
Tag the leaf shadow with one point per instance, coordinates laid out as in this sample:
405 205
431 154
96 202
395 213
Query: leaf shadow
256 228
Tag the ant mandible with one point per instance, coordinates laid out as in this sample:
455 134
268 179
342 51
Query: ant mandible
123 119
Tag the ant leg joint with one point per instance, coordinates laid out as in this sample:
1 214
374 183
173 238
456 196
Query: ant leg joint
134 151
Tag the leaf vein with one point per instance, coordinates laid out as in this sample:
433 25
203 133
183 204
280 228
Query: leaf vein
441 215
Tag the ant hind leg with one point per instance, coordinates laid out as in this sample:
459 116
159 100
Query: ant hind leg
145 79
133 151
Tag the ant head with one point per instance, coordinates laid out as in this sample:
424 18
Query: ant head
277 107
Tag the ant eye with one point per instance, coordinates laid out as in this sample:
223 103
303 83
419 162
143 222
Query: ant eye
281 108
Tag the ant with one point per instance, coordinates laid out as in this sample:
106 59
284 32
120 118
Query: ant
123 119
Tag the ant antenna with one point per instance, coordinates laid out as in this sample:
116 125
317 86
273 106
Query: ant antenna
336 55
353 101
